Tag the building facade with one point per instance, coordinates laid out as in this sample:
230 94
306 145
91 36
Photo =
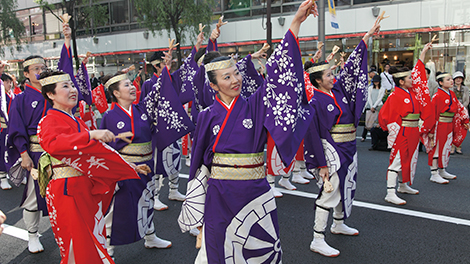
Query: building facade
122 41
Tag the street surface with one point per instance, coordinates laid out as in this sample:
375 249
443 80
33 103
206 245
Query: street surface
433 227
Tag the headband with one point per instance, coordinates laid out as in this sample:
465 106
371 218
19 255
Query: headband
33 61
443 75
401 74
219 65
54 79
155 62
318 68
201 59
115 79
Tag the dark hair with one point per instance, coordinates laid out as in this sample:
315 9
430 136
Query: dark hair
6 77
213 56
396 70
26 69
440 79
199 54
316 75
50 88
157 56
428 71
113 87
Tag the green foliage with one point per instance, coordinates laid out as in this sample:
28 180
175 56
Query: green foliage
10 26
182 17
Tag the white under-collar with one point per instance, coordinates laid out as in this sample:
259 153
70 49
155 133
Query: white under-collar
229 105
129 111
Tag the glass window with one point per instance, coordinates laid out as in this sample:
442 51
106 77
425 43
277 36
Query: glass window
366 1
37 24
52 23
119 12
217 6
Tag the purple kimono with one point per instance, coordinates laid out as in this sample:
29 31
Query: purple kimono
26 111
343 106
4 131
133 201
240 216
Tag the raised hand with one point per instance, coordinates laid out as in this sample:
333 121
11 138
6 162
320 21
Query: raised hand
103 135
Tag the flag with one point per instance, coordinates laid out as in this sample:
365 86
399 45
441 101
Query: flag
332 10
99 98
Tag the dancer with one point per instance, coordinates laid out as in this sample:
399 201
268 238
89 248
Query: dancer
338 108
229 140
5 101
130 217
445 105
400 117
77 198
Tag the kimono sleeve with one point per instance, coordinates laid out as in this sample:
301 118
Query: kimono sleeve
287 112
183 78
65 64
17 132
165 109
421 90
313 146
251 78
212 46
353 80
84 85
56 143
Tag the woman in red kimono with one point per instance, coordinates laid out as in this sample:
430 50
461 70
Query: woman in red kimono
445 105
400 117
84 172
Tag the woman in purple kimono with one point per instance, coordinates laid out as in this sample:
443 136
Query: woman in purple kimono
5 101
228 194
130 216
27 109
338 107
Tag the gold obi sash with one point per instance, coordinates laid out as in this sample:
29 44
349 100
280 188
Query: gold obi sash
446 117
238 166
34 144
343 133
411 120
3 123
62 171
137 152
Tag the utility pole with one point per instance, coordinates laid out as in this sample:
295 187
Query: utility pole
269 28
321 26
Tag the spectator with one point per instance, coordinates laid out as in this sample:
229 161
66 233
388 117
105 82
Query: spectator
462 93
373 105
94 81
432 84
387 79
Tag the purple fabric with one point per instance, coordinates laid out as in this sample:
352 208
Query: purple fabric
183 78
26 111
84 85
277 107
147 86
65 64
344 107
134 197
3 134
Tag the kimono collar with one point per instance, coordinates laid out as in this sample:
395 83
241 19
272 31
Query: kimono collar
156 76
129 112
403 89
227 107
61 111
447 92
330 94
33 88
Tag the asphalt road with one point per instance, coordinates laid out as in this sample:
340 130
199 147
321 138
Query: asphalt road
433 227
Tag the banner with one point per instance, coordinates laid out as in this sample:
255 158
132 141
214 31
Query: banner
332 10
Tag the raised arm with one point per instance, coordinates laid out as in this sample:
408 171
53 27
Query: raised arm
307 8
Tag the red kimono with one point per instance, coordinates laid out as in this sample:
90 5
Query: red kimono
77 205
405 139
444 103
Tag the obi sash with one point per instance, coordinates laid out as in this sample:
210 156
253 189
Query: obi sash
446 117
34 144
343 133
242 167
137 152
411 120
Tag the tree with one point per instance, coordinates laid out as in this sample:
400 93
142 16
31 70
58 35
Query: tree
179 16
89 14
11 27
